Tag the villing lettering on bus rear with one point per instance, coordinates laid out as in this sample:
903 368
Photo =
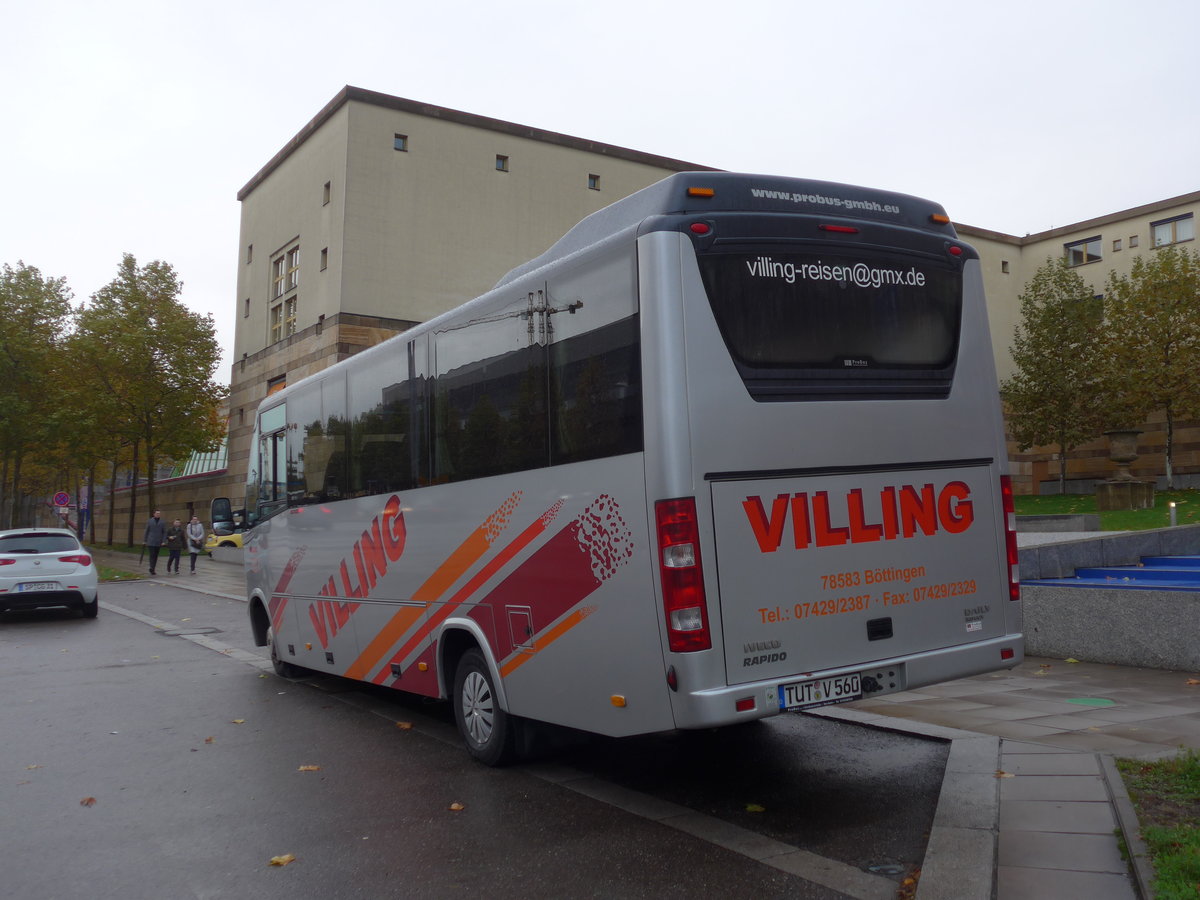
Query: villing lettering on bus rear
822 520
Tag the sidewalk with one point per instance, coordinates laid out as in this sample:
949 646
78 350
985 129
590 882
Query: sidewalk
1030 791
222 575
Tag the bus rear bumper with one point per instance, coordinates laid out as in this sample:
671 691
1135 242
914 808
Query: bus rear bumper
760 699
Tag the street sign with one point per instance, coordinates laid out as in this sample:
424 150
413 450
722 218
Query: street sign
62 498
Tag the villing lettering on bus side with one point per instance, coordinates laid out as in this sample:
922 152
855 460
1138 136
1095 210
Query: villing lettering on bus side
905 511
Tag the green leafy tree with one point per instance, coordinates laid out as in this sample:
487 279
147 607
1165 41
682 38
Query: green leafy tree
154 360
1052 398
1152 342
34 315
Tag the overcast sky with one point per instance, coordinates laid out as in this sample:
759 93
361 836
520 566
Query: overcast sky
130 126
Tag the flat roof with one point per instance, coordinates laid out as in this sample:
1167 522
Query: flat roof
401 104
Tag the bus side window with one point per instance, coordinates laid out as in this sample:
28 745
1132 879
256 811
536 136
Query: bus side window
490 394
386 405
595 362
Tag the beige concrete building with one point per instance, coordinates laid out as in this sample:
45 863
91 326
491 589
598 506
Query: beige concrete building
382 212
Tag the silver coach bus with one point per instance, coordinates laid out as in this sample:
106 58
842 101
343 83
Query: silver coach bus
731 447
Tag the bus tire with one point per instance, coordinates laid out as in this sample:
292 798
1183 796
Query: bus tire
282 668
488 731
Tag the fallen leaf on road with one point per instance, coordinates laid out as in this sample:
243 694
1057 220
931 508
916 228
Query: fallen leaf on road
754 807
457 807
1000 773
309 769
1070 659
210 740
282 860
88 801
404 726
238 721
1192 681
35 766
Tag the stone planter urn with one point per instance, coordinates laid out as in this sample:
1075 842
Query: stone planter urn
1122 491
1122 450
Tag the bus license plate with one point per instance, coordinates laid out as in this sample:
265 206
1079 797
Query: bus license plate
820 692
37 586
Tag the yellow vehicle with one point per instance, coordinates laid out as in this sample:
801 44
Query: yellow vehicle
222 540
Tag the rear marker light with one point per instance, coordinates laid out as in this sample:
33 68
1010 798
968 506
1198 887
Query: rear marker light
840 229
8 562
956 251
699 228
940 218
745 704
1007 653
618 701
1010 538
701 192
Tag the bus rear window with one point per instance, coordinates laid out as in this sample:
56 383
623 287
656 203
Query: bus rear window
802 324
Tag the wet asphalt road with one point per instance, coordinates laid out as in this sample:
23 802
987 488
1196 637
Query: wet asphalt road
194 759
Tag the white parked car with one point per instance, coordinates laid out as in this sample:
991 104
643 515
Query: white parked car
41 568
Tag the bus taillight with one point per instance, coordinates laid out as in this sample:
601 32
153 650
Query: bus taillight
1010 538
682 576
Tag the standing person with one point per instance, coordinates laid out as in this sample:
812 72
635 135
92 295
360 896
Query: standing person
195 539
175 539
156 532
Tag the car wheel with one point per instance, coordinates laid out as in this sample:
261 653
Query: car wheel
489 732
90 610
283 668
228 544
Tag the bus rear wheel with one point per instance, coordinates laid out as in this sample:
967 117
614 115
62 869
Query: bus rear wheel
489 732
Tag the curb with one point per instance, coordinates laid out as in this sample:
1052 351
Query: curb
966 823
1127 821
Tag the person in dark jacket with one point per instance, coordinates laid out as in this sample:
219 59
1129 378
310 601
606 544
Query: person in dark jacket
156 533
174 544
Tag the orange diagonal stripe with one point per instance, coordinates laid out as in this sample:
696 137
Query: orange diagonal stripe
437 584
519 543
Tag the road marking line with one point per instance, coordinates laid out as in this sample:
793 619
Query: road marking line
203 640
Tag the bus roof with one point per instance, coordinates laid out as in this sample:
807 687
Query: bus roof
697 193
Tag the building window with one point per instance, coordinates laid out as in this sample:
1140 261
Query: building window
400 142
278 272
1004 266
1116 245
325 194
246 309
289 316
1133 241
593 182
1081 252
501 163
276 323
1172 231
324 258
249 254
293 268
